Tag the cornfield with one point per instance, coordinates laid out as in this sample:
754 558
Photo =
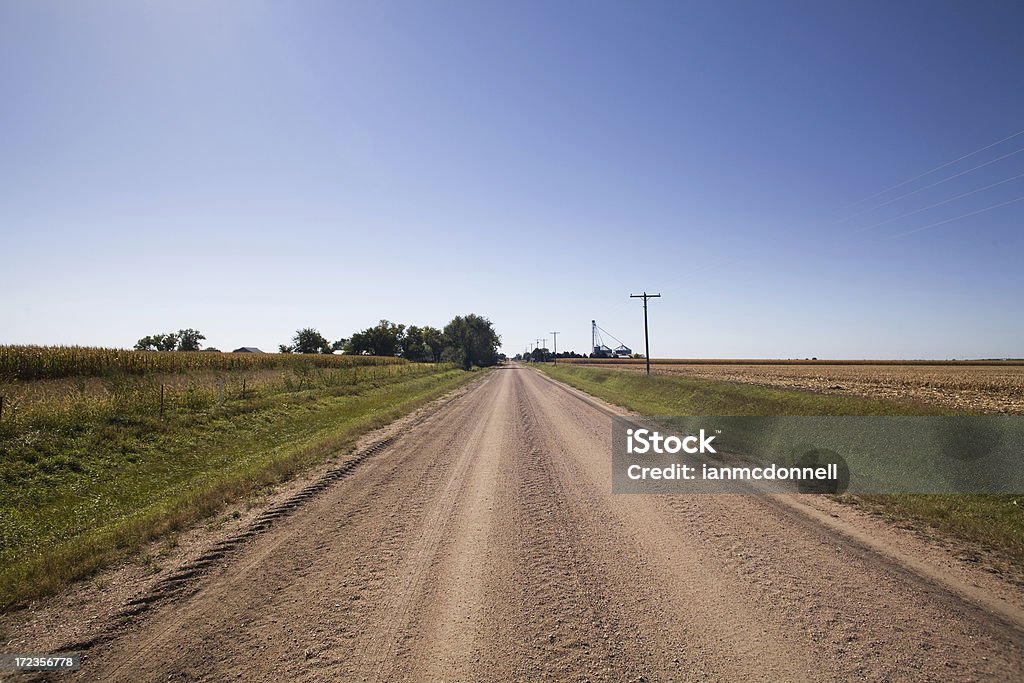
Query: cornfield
57 403
29 363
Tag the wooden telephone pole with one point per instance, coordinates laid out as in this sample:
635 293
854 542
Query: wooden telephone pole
647 342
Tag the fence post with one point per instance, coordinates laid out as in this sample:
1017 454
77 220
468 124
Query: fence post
243 387
1 407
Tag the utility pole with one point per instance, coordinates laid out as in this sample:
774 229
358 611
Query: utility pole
647 342
555 357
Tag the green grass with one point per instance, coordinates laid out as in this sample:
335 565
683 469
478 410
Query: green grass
992 522
78 493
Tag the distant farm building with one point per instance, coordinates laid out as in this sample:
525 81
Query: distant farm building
602 350
247 349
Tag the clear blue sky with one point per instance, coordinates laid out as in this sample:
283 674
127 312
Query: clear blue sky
248 168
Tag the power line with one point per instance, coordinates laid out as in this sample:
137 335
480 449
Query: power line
938 182
945 201
956 218
927 173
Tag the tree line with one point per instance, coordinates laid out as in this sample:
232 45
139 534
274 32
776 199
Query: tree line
544 355
182 340
467 341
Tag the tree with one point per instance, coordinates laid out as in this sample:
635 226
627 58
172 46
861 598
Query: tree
188 340
471 340
423 344
308 340
182 340
539 355
147 343
359 343
383 339
413 346
434 340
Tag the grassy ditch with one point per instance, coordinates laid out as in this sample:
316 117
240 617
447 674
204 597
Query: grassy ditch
91 481
993 522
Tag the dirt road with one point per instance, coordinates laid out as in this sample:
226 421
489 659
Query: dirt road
485 544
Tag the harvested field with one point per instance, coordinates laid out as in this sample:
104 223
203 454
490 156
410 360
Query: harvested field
989 388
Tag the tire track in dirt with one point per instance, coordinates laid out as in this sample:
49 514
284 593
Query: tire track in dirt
553 619
426 621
